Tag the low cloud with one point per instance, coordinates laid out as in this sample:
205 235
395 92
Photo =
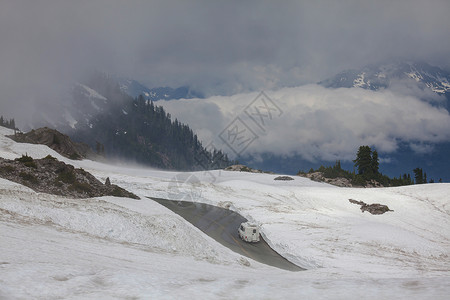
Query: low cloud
317 123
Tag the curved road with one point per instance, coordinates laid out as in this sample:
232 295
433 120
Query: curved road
222 224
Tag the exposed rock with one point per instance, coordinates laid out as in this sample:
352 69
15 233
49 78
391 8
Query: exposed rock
48 175
225 204
243 261
373 184
242 168
57 141
356 202
374 209
338 181
284 178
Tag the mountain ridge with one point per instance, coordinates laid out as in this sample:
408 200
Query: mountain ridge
135 89
376 76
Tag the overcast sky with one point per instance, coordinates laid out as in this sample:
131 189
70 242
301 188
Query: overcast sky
218 47
232 48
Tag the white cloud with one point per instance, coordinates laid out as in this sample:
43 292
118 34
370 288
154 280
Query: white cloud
421 148
320 123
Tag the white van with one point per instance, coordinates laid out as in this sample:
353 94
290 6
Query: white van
249 232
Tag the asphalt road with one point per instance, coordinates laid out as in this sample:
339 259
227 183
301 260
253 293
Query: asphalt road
222 224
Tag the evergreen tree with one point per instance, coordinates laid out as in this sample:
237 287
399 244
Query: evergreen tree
338 165
375 162
418 175
7 123
364 161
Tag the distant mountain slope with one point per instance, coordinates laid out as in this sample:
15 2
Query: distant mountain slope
97 112
135 129
135 89
374 77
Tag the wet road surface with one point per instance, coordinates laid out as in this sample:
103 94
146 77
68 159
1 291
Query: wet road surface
222 224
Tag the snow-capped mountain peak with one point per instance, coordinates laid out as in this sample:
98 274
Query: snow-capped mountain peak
374 77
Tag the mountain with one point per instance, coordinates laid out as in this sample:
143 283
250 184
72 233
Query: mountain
116 125
76 108
134 89
375 77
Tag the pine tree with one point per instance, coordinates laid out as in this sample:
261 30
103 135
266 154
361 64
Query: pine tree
364 161
418 175
338 165
375 162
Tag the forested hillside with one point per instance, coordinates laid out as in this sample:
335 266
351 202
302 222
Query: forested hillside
138 130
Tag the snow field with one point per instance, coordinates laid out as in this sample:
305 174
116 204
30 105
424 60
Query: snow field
314 225
56 247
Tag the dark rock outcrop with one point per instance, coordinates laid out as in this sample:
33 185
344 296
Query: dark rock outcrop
319 177
243 168
48 175
283 178
374 209
57 141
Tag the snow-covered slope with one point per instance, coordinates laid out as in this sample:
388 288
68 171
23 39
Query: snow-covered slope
56 247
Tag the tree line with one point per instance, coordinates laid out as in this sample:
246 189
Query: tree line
7 123
367 171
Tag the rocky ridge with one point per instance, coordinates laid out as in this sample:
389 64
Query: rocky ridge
338 181
48 175
55 140
243 168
